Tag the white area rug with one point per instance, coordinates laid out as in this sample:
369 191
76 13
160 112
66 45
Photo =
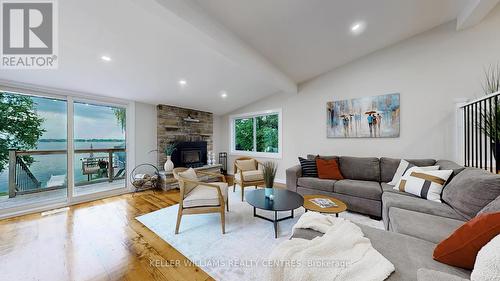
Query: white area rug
234 255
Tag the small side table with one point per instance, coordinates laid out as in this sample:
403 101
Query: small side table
310 206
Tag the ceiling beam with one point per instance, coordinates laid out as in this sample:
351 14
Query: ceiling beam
190 17
474 13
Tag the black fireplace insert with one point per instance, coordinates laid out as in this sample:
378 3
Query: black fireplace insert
190 154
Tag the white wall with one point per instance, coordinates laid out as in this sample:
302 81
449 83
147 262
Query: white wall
430 71
145 133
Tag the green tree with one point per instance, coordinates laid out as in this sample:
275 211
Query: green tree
121 117
267 133
20 126
244 134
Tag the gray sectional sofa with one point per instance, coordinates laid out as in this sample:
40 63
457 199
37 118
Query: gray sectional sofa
364 182
414 226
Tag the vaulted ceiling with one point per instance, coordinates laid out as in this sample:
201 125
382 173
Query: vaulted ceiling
246 49
307 38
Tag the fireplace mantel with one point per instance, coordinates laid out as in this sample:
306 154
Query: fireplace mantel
173 127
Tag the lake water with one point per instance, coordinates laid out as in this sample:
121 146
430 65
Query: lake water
46 166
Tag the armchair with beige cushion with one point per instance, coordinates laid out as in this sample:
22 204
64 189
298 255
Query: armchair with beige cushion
247 173
197 197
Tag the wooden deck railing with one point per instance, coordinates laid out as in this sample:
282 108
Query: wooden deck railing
23 181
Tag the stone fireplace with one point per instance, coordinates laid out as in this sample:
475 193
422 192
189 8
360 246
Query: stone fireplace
192 129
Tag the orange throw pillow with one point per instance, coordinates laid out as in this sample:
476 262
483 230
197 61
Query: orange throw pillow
328 169
461 248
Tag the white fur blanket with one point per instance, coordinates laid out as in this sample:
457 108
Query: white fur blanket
342 253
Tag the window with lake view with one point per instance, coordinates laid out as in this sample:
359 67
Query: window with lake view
34 148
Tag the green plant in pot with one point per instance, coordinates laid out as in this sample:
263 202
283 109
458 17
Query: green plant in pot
490 119
269 173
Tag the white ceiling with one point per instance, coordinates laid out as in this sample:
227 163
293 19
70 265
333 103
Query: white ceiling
305 38
250 49
150 53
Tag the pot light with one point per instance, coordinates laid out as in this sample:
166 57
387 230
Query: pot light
105 58
223 94
358 27
182 82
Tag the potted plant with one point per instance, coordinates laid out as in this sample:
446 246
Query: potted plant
169 149
490 119
269 174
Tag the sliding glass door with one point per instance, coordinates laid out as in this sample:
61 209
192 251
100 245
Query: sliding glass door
33 150
57 150
99 148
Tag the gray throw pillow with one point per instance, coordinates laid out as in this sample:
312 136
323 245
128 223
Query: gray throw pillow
471 190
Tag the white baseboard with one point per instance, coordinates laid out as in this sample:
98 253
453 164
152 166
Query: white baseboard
280 181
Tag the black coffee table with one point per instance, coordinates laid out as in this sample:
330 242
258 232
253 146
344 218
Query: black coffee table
284 200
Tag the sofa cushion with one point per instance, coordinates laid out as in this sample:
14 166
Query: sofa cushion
203 195
461 247
450 165
363 189
315 183
471 190
423 226
388 166
255 175
360 168
408 256
390 200
424 274
326 157
492 207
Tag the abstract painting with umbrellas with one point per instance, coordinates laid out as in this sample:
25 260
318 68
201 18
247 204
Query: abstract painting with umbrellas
368 117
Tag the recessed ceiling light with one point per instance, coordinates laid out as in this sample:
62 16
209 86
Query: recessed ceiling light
105 58
223 94
358 27
182 82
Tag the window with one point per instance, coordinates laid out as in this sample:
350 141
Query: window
257 134
59 149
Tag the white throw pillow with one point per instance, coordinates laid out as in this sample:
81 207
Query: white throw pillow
426 184
413 169
487 265
403 165
189 174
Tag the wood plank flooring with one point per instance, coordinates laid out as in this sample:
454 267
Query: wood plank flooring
99 240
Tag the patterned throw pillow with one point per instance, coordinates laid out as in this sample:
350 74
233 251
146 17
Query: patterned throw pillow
412 168
426 184
309 168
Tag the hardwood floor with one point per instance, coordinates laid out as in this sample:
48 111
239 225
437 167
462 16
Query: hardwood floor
99 240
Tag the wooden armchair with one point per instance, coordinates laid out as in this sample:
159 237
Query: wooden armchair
198 197
247 173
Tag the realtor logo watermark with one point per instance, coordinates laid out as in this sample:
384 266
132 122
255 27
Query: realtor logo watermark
29 34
